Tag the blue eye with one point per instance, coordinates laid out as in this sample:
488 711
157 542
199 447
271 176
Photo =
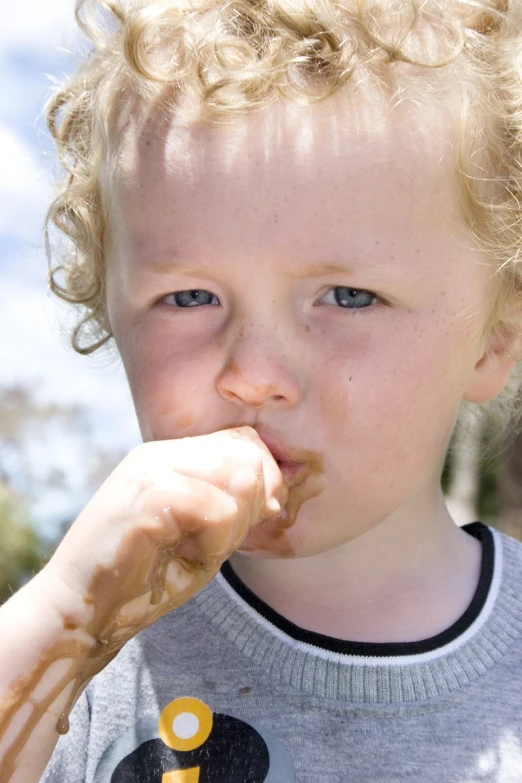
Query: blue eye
351 298
193 298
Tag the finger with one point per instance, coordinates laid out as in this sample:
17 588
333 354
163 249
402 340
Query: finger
216 458
180 509
212 457
248 490
276 492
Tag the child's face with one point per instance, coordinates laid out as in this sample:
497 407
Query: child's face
274 222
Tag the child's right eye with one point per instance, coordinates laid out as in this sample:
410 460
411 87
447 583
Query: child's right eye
194 297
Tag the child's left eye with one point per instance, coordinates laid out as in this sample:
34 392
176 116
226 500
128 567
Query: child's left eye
194 297
350 298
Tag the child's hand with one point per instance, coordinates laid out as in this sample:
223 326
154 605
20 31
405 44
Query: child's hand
158 530
154 534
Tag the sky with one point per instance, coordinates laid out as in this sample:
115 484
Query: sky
36 41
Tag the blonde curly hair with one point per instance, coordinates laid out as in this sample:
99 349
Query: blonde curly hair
232 56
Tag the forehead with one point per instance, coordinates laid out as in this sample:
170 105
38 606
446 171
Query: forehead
159 145
305 172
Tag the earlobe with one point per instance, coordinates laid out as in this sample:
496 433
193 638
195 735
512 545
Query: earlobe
493 369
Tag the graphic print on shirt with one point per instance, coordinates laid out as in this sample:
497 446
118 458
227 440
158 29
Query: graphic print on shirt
191 744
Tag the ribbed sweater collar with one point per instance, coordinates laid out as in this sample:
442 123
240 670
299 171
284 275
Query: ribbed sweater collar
379 673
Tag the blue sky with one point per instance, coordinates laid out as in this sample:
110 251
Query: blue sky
35 41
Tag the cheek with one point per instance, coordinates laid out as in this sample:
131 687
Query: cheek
394 394
168 384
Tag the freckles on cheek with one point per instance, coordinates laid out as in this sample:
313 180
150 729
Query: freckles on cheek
166 405
393 376
422 400
170 386
174 419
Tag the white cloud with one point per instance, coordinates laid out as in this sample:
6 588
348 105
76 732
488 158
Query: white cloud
35 354
24 188
33 24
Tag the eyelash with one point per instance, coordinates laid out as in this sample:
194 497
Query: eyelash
350 292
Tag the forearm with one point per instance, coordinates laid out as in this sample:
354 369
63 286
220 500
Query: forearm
42 672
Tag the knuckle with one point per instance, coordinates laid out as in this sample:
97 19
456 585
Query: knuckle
246 480
251 454
228 511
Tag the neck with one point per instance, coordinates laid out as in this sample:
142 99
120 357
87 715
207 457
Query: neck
404 580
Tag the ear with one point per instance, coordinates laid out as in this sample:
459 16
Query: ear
502 351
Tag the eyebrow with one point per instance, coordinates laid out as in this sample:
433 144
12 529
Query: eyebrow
326 268
167 268
154 262
174 264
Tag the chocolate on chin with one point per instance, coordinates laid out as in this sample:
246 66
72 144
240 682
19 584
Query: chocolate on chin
303 484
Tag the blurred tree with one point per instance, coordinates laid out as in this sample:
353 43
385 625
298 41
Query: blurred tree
48 456
28 436
461 478
509 483
21 550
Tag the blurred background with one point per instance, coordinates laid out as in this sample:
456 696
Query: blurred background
66 421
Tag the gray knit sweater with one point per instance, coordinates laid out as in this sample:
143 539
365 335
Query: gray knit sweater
224 690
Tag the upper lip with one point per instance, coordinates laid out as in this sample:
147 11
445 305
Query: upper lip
282 453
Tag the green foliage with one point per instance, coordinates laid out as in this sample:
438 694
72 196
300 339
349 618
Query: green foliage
21 551
30 469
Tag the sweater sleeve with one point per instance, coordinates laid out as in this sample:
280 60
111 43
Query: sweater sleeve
69 760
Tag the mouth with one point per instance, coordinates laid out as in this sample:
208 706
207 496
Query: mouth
290 469
287 460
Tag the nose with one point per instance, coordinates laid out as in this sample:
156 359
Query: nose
257 373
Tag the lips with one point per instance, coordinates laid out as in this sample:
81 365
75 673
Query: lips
279 453
290 470
289 461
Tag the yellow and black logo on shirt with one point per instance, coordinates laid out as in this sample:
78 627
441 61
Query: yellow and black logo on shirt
191 744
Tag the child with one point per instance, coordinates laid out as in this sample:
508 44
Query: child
300 223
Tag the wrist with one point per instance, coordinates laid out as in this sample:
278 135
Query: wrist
65 608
